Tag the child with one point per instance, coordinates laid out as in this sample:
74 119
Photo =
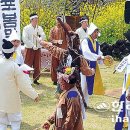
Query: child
15 40
12 81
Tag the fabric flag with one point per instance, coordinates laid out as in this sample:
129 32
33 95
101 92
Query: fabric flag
122 65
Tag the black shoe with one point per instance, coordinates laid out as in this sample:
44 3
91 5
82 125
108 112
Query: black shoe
35 82
54 83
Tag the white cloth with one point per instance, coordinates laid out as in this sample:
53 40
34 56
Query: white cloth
82 34
87 53
84 88
13 80
15 125
13 36
7 118
13 119
69 60
3 127
29 33
19 57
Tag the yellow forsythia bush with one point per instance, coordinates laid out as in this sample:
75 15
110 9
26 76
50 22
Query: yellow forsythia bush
108 17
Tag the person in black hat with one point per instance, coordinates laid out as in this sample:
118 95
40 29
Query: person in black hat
82 31
33 53
12 81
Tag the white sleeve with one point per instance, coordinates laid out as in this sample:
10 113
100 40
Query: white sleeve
99 52
41 33
87 53
24 84
25 38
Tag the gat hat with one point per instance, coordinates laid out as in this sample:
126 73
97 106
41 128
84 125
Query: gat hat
7 46
92 28
127 35
32 16
83 19
13 36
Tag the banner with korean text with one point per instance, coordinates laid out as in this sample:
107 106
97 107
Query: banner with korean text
9 18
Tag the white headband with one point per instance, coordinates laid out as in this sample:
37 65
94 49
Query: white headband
8 50
85 20
32 17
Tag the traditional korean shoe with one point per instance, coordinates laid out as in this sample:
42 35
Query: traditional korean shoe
36 82
54 83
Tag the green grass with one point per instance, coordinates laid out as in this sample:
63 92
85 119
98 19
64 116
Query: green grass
34 114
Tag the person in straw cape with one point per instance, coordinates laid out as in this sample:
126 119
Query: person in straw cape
72 56
59 38
68 114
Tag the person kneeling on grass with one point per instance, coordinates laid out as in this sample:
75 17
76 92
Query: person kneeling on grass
68 114
12 81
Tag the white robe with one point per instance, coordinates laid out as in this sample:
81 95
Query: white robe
12 81
19 57
88 55
82 34
28 36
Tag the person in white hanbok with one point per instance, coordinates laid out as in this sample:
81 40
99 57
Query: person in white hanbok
33 48
12 81
82 31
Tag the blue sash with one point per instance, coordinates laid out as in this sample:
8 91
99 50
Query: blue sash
92 64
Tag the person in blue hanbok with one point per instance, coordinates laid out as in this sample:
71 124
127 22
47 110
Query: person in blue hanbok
91 51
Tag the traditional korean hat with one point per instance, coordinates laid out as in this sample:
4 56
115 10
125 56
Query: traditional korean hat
92 28
14 36
32 16
83 19
7 47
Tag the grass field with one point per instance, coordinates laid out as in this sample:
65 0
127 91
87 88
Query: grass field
34 114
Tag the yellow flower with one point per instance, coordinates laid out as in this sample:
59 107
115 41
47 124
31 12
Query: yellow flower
68 70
